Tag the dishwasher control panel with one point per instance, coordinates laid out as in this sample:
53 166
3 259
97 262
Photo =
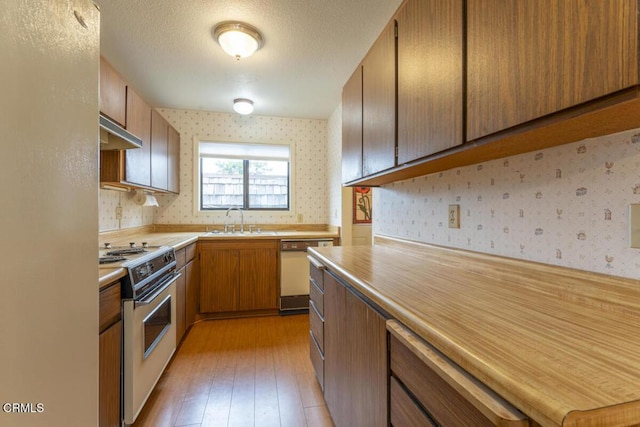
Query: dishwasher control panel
302 244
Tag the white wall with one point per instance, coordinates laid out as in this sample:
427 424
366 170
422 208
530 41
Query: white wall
49 217
310 172
565 206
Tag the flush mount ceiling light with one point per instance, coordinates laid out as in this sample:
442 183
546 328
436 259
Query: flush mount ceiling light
237 38
243 106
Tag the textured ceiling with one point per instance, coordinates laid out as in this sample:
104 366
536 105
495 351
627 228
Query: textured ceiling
165 49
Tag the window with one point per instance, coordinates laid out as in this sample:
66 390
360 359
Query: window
249 176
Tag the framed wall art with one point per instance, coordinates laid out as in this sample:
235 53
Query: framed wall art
362 203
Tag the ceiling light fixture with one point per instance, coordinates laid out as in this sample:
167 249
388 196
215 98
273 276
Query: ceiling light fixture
243 106
238 39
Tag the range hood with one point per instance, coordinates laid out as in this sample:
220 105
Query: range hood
114 137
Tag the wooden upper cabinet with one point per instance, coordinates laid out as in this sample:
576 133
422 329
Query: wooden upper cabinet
352 127
430 77
113 93
138 161
173 159
530 58
159 151
379 104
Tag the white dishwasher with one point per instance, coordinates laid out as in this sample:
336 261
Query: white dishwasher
294 273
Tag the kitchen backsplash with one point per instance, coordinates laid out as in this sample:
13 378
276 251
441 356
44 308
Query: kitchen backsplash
566 206
133 215
310 139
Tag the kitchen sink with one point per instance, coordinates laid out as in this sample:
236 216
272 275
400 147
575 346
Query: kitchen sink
241 234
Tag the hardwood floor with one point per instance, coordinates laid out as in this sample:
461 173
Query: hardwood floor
240 372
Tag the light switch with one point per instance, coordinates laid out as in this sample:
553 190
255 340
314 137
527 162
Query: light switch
634 226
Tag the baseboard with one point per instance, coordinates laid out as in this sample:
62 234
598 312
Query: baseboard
293 304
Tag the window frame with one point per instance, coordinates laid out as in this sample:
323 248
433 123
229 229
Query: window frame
197 179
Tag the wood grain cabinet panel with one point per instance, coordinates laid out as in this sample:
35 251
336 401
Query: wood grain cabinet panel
110 350
159 151
219 275
258 283
379 104
404 411
238 276
113 93
173 160
355 344
181 306
530 58
430 77
450 396
109 359
192 292
352 127
138 161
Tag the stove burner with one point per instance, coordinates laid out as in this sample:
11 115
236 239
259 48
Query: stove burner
130 251
110 259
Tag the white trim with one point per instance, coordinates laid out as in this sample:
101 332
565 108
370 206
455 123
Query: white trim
217 215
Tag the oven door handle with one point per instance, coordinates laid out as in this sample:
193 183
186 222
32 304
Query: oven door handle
149 299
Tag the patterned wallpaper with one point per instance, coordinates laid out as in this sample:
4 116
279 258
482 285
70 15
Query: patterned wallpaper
133 215
566 206
310 164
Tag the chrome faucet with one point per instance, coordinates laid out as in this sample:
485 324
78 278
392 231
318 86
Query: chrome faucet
226 221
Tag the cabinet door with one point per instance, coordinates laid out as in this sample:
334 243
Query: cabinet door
138 161
109 375
355 369
336 358
352 127
218 279
191 272
379 104
173 160
159 151
181 306
430 66
530 58
258 285
113 93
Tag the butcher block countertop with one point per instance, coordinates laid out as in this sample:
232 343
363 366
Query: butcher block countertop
561 345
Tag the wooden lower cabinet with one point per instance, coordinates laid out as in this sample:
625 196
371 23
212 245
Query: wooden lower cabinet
110 352
239 276
403 410
441 391
186 288
181 306
192 291
355 350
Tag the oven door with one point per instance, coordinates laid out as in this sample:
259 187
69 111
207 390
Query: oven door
149 343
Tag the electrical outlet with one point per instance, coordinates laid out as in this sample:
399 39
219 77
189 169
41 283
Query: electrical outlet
300 218
118 212
454 216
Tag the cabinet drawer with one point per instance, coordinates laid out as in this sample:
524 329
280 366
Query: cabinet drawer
181 258
449 394
317 297
109 306
316 322
317 360
315 272
404 411
190 252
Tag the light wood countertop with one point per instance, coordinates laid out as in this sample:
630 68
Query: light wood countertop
561 345
181 236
